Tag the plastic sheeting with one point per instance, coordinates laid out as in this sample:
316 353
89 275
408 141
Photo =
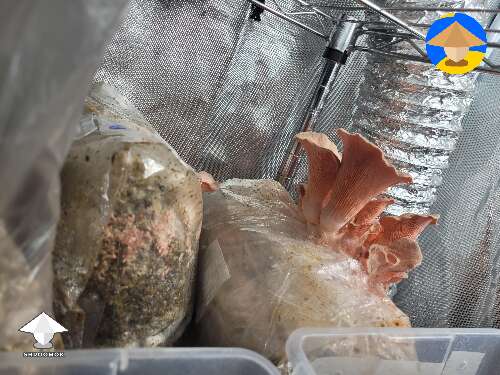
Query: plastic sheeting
47 57
126 247
262 277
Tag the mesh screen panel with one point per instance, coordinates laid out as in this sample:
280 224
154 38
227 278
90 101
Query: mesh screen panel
225 91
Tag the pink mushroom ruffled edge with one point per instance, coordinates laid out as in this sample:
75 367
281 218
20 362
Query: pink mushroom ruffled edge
342 200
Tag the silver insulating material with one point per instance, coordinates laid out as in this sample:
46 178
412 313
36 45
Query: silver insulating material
413 111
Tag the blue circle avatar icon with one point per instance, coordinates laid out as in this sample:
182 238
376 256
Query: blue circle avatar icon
456 43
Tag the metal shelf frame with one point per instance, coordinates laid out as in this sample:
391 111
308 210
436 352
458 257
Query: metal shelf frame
344 36
394 28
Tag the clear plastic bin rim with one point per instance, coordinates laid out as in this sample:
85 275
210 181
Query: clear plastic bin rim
297 356
122 357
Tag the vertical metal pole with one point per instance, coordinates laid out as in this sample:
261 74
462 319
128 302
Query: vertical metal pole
328 75
337 50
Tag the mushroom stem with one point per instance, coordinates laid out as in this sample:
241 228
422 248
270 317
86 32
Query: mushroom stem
324 161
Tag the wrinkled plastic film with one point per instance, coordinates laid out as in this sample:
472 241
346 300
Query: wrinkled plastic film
275 278
44 81
126 278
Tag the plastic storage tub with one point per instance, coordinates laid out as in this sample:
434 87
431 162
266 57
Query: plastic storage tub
161 361
377 351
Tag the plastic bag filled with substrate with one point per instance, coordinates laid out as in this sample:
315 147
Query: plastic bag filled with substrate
48 55
127 241
269 266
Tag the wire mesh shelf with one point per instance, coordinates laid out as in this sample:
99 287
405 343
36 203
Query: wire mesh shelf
394 30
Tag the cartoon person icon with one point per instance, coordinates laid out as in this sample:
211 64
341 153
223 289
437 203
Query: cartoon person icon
456 43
